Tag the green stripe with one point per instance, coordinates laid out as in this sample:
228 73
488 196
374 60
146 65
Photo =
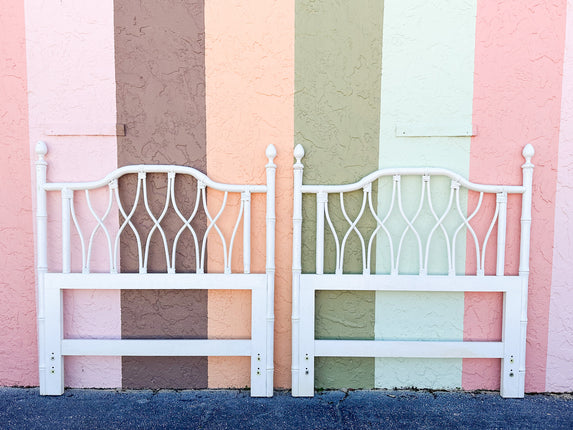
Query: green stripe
338 48
427 85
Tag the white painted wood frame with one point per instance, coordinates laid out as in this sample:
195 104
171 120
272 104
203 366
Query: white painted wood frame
511 348
51 343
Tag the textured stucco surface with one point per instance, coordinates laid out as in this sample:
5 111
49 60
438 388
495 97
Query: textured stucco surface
560 338
164 314
517 100
160 72
70 56
250 99
344 315
250 85
337 108
17 307
427 80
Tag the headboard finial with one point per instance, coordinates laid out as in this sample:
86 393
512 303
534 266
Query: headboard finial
528 152
271 152
41 149
298 152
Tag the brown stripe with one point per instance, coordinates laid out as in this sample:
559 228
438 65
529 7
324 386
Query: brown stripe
170 314
160 74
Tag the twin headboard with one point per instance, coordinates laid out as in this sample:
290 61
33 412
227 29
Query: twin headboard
425 214
125 192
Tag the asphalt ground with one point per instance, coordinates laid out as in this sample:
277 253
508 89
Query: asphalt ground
24 408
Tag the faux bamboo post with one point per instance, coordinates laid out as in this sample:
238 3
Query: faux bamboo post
271 168
527 170
41 255
296 266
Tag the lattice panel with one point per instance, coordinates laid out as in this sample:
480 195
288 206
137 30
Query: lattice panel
145 234
437 223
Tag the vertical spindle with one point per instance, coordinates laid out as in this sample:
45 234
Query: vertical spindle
321 202
67 195
501 200
246 200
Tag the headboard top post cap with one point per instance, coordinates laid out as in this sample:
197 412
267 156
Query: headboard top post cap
271 152
41 149
528 152
298 152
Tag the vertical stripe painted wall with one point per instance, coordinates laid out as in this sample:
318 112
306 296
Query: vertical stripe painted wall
517 100
17 307
560 339
71 90
250 87
337 109
427 84
160 75
211 85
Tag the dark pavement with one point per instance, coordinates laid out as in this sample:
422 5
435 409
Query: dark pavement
24 408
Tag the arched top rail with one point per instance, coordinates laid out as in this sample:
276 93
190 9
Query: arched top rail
413 171
136 169
41 151
527 153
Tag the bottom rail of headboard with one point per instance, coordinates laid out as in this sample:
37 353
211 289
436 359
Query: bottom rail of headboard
509 349
56 346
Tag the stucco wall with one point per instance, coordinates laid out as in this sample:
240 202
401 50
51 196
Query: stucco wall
160 76
427 86
560 338
338 51
17 307
250 88
230 85
71 89
517 100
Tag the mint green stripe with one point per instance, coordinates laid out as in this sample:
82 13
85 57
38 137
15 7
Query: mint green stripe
427 85
338 49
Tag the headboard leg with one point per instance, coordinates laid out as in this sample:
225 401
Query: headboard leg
258 339
306 358
510 386
53 358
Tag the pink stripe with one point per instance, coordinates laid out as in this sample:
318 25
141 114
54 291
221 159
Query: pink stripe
517 95
17 307
71 83
560 347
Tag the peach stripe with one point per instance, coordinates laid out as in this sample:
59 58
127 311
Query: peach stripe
249 96
517 96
